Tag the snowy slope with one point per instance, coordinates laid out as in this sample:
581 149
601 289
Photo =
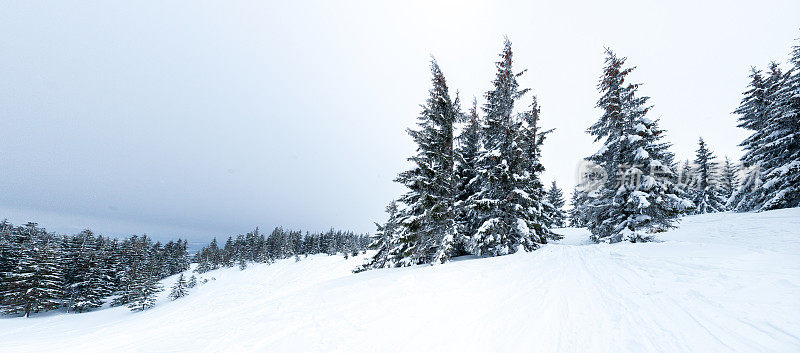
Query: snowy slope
720 283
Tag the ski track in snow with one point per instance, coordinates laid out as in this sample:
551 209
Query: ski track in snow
719 283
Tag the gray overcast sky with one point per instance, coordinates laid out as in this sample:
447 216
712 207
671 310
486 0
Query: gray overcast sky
201 118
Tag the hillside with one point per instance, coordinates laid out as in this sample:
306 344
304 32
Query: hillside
720 283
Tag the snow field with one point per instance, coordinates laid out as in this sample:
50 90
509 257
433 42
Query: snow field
720 283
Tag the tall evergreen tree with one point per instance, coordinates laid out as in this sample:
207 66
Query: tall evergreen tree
639 196
687 183
555 197
728 180
143 286
576 217
9 256
144 291
228 253
384 240
140 273
708 197
84 276
130 258
780 147
469 145
428 219
507 212
208 258
542 214
758 160
34 284
96 287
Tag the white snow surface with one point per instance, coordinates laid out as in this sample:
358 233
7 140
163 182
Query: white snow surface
720 283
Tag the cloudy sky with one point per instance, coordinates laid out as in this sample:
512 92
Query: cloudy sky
207 118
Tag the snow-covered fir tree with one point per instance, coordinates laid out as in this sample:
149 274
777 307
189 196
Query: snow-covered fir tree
555 197
686 183
228 253
780 144
428 220
469 144
139 275
180 288
84 274
97 287
532 137
639 196
9 255
384 240
209 258
34 283
192 282
752 116
728 181
508 205
708 196
764 151
131 257
576 201
143 291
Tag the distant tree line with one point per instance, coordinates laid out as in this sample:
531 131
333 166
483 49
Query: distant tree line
42 271
280 244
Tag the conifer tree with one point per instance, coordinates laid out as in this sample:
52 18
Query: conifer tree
84 275
96 288
130 261
780 145
755 112
144 290
34 284
9 256
542 214
507 208
469 145
708 196
555 197
428 219
576 217
686 184
752 116
90 285
728 180
384 240
638 196
179 289
140 274
208 258
192 282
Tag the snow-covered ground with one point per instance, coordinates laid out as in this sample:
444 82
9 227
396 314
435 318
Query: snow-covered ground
720 283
